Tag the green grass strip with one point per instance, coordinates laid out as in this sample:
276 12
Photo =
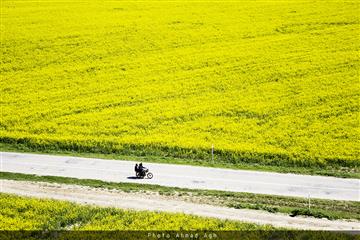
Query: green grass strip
324 170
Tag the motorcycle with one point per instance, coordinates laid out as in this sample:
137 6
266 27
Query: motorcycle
143 173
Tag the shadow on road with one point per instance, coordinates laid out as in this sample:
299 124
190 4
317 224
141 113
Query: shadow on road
132 177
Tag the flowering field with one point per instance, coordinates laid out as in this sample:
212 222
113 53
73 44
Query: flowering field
21 213
264 81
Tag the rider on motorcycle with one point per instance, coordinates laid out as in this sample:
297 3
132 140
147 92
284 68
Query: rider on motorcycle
141 169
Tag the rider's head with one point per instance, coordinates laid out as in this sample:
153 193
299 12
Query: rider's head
140 164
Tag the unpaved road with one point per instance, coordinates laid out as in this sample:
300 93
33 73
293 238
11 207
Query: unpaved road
141 201
184 176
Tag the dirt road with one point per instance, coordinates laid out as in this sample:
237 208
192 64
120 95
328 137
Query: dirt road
141 201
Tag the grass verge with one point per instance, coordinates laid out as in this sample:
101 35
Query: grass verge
320 208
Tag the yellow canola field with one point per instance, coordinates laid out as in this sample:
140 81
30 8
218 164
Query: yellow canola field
274 82
23 213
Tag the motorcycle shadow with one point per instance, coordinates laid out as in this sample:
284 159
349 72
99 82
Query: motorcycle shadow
133 177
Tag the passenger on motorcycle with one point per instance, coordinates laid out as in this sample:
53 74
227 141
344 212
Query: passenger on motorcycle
136 168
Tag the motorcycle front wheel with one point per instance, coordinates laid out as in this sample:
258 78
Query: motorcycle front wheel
149 175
